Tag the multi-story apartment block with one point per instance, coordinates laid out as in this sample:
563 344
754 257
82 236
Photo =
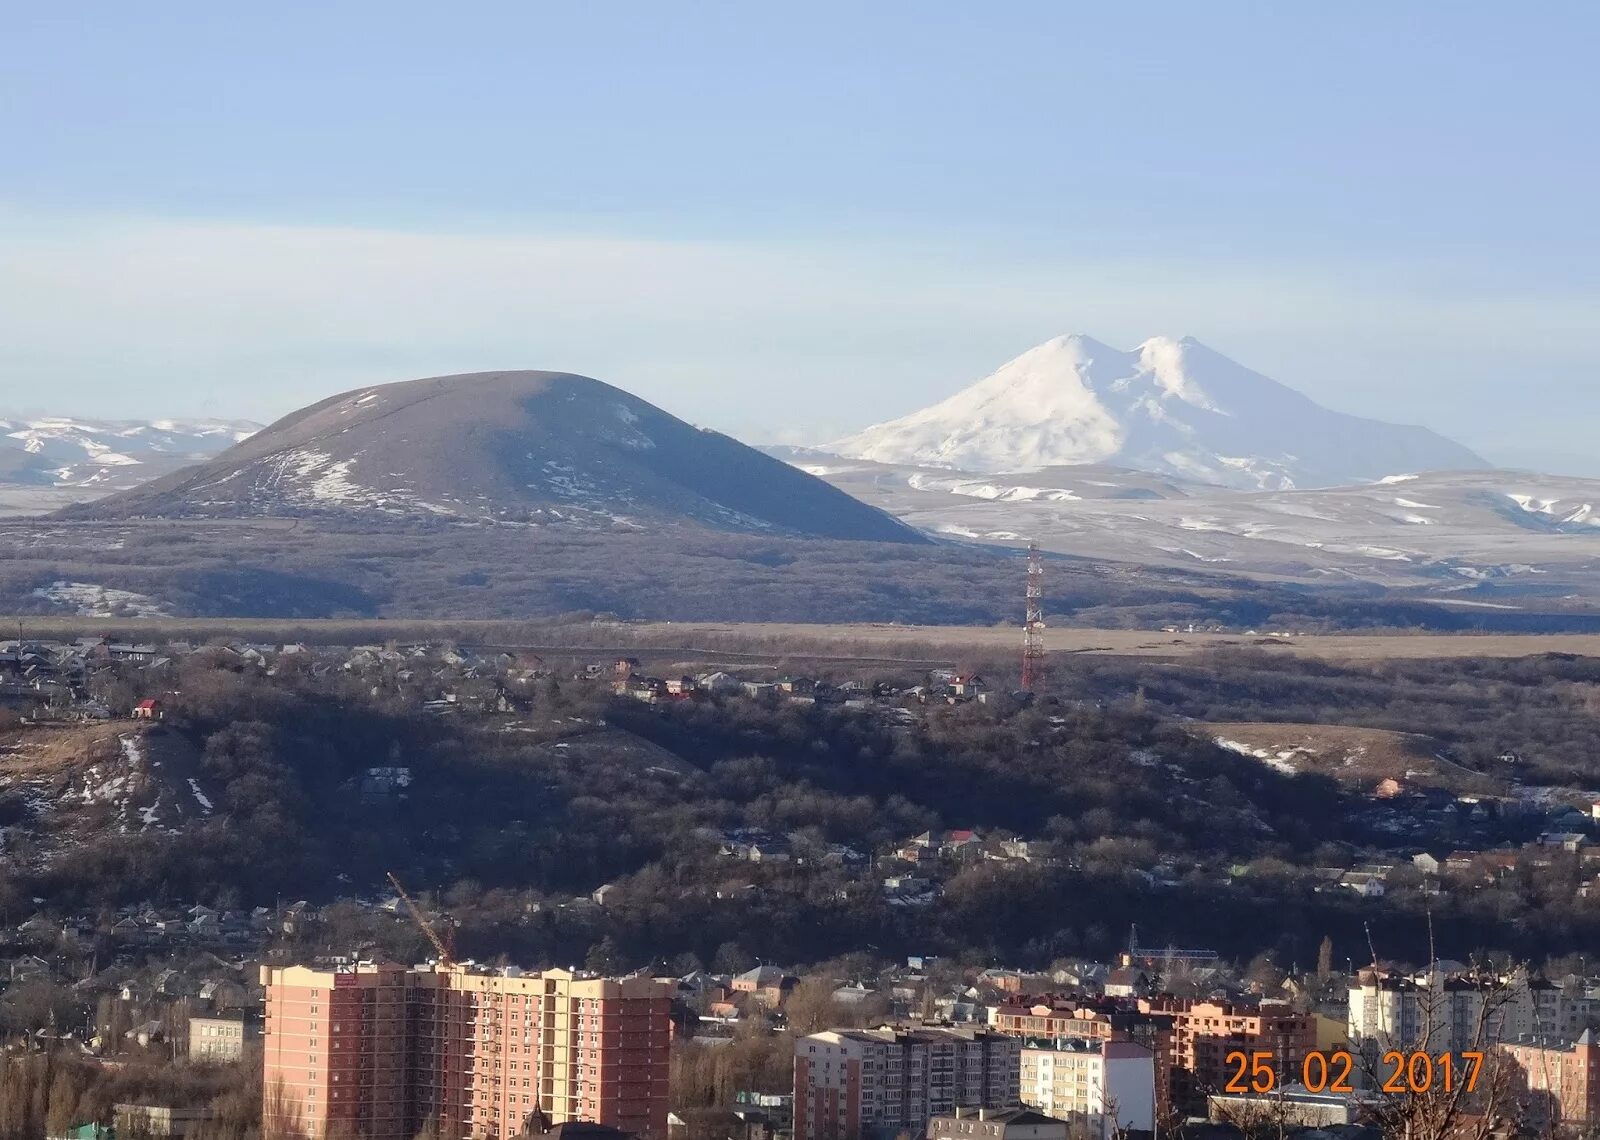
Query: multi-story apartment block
1205 1032
376 1052
1098 1087
1068 1018
861 1084
1451 1012
1055 1015
1557 1082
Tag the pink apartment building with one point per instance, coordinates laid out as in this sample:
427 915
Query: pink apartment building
376 1052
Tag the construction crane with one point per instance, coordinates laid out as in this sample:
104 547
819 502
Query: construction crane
440 945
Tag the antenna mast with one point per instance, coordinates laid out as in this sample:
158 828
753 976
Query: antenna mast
1033 622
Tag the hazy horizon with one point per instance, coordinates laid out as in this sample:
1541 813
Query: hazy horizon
788 227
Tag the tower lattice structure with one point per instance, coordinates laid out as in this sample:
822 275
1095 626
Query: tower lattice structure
1033 622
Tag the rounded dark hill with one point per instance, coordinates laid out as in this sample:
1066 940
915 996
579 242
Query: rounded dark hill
543 448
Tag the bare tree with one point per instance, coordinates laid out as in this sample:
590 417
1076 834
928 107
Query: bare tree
281 1115
1478 1103
1266 1117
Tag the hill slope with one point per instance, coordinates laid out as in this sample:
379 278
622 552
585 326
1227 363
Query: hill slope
540 448
1470 538
1170 406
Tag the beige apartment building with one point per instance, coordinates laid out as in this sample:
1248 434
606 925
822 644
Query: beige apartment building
1099 1087
996 1124
375 1052
1053 1018
221 1039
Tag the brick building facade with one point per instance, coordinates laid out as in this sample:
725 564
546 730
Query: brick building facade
374 1052
860 1084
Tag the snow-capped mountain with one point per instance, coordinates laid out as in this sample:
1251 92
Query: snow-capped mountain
535 448
1174 407
107 455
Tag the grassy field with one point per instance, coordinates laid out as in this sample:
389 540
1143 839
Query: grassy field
732 640
1361 757
943 640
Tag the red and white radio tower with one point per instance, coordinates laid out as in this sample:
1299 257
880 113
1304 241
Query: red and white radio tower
1033 622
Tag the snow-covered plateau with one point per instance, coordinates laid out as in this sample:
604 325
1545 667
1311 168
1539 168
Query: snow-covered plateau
1487 537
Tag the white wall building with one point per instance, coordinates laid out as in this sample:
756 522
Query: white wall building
1097 1084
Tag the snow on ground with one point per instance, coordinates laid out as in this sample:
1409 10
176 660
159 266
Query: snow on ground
335 484
984 489
89 599
85 452
1475 605
1281 759
98 789
1387 553
1556 509
199 796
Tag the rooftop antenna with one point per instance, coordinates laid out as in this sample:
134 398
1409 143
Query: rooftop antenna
1033 622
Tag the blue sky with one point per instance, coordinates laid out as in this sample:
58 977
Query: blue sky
789 220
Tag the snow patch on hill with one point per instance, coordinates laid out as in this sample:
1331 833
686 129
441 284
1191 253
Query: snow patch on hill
1556 510
1283 759
89 599
65 451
